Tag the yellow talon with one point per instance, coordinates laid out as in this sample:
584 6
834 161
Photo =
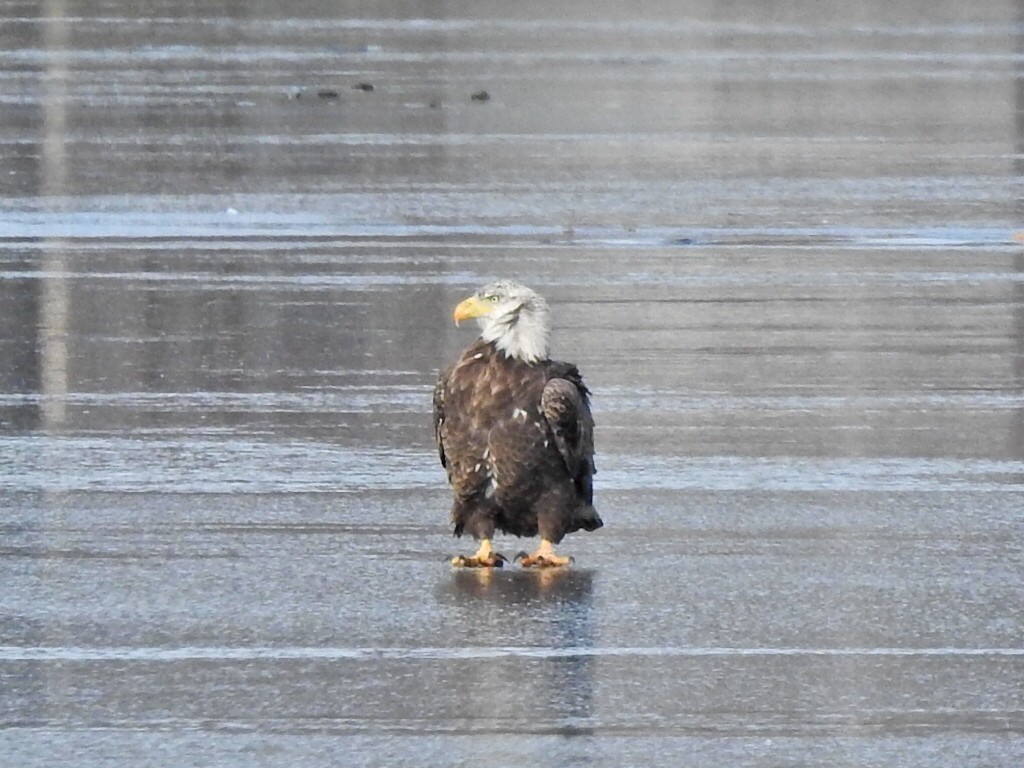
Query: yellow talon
544 557
485 557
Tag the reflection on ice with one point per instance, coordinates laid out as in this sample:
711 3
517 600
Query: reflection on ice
291 653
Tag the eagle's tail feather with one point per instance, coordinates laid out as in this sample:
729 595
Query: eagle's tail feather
588 518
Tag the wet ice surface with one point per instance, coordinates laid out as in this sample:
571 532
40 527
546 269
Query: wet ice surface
782 251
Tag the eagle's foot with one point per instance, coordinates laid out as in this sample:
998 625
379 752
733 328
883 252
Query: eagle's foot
494 560
485 557
543 557
534 561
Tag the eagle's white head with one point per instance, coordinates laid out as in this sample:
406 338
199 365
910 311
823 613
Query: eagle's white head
511 316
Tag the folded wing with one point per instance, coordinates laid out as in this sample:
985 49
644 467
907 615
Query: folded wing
565 406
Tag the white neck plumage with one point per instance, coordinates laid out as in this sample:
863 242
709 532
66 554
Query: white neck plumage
521 334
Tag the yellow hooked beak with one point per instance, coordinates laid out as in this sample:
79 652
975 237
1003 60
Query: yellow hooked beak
470 308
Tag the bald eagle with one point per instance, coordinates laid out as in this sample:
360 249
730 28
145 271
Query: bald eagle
514 431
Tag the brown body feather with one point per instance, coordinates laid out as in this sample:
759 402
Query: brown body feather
517 441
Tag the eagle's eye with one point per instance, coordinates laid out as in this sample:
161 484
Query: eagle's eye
493 298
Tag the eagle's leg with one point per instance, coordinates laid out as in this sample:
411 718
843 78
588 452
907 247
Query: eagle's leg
543 557
485 557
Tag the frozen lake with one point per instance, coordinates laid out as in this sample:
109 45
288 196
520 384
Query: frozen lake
783 245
